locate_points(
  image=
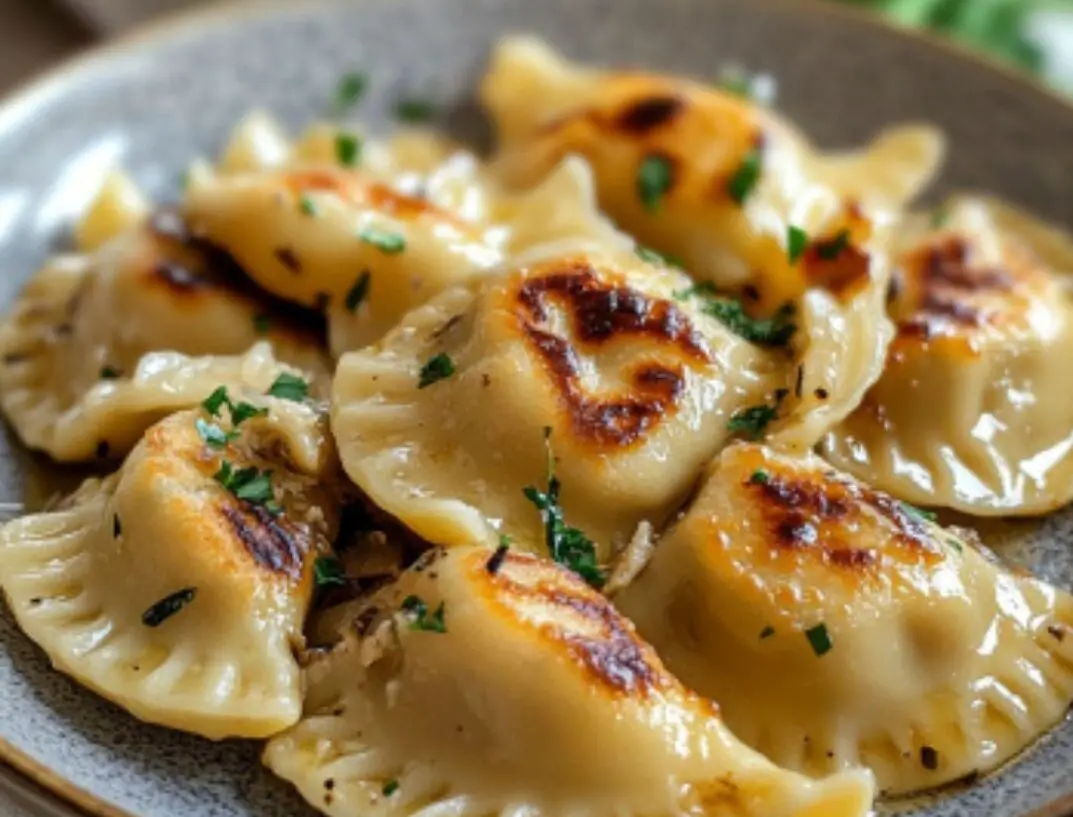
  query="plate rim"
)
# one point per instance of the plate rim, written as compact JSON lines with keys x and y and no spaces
{"x":22,"y":97}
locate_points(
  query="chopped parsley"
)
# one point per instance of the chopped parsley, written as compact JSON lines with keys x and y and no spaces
{"x":774,"y":331}
{"x":752,"y":421}
{"x":743,"y":181}
{"x":387,"y":243}
{"x":767,"y":632}
{"x":168,"y":606}
{"x":831,"y":248}
{"x":249,"y":484}
{"x":307,"y":206}
{"x":109,"y":372}
{"x":919,"y":513}
{"x":939,"y":217}
{"x":358,"y":292}
{"x":328,"y":572}
{"x":212,"y":434}
{"x":819,"y":639}
{"x":433,"y":623}
{"x":760,"y":477}
{"x":734,"y":80}
{"x":347,"y":148}
{"x":351,"y":88}
{"x":240,"y":412}
{"x":702,"y":288}
{"x":261,"y":323}
{"x":655,"y":175}
{"x":412,"y":109}
{"x":390,"y":787}
{"x":796,"y":243}
{"x":438,"y":367}
{"x":289,"y":387}
{"x":651,"y":256}
{"x":568,"y":546}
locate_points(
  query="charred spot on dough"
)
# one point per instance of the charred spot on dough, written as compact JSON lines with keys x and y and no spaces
{"x":820,"y":512}
{"x":289,"y":259}
{"x":599,"y":313}
{"x":606,"y":646}
{"x":274,"y":545}
{"x":844,"y":275}
{"x":364,"y":192}
{"x":648,"y":113}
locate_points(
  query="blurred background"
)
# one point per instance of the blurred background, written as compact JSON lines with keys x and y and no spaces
{"x":1036,"y":35}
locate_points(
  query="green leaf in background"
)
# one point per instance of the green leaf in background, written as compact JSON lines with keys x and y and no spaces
{"x":995,"y":26}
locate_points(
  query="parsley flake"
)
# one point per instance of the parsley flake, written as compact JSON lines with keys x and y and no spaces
{"x":242,"y":412}
{"x":774,"y":331}
{"x":655,"y":176}
{"x":387,"y":243}
{"x":249,"y":484}
{"x":390,"y":787}
{"x":919,"y":513}
{"x":351,"y":88}
{"x":760,"y":477}
{"x":438,"y":367}
{"x":830,"y":249}
{"x":347,"y":148}
{"x":212,"y":434}
{"x":216,"y":400}
{"x":495,"y":561}
{"x":568,"y":546}
{"x":261,"y":323}
{"x":307,"y":206}
{"x":752,"y":421}
{"x":289,"y":387}
{"x":328,"y":572}
{"x":109,"y":372}
{"x":357,"y":293}
{"x":796,"y":243}
{"x":743,"y":181}
{"x":651,"y":256}
{"x":168,"y":606}
{"x":819,"y":639}
{"x":415,"y":110}
{"x":433,"y":623}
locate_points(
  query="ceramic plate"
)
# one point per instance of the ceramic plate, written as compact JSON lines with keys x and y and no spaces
{"x":155,"y":101}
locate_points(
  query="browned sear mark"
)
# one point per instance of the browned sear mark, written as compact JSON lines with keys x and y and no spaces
{"x":289,"y":259}
{"x":601,"y":312}
{"x":648,"y":113}
{"x":271,"y":544}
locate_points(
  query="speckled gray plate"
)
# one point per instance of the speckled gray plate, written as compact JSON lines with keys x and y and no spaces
{"x":153,"y":102}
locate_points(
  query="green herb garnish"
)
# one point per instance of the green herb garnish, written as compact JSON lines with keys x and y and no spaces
{"x":433,"y":623}
{"x":655,"y":175}
{"x":351,"y":88}
{"x":495,"y":561}
{"x":261,"y":323}
{"x":387,"y":243}
{"x":216,"y":400}
{"x":752,"y":421}
{"x":249,"y":484}
{"x":241,"y":412}
{"x":348,"y":148}
{"x":289,"y":387}
{"x":651,"y":256}
{"x":212,"y":434}
{"x":568,"y":546}
{"x":830,"y":249}
{"x":819,"y":639}
{"x":390,"y":787}
{"x":415,"y":110}
{"x":743,"y":181}
{"x":774,"y":331}
{"x":760,"y":477}
{"x":168,"y":606}
{"x":358,"y":292}
{"x":796,"y":243}
{"x":328,"y":572}
{"x":437,"y":368}
{"x":919,"y":513}
{"x":307,"y":206}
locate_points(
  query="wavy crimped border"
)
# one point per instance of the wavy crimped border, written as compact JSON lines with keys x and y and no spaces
{"x":24,"y":98}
